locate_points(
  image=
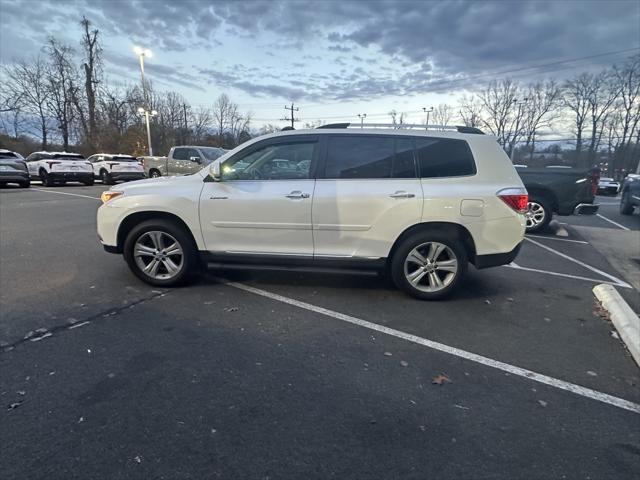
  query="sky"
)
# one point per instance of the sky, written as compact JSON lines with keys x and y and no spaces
{"x":334,"y":59}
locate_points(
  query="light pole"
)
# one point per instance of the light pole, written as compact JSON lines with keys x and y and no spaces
{"x":146,"y":114}
{"x":427,"y":111}
{"x":142,"y":53}
{"x":362,"y":116}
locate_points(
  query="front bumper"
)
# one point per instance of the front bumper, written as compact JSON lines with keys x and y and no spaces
{"x":497,"y":259}
{"x":11,"y":176}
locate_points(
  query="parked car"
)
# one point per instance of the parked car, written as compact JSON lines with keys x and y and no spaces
{"x":59,"y":167}
{"x":630,"y":193}
{"x":417,"y":203}
{"x":561,"y":191}
{"x":182,"y":160}
{"x":111,"y":168}
{"x":13,"y":169}
{"x":608,"y":186}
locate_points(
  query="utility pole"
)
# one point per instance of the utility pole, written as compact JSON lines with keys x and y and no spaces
{"x":186,"y":125}
{"x":142,"y":53}
{"x":362,"y":117}
{"x":427,"y":111}
{"x":292,"y":109}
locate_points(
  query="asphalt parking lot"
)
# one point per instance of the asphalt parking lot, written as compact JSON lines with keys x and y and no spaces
{"x":290,"y":375}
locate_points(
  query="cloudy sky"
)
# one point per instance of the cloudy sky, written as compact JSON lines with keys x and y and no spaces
{"x":334,"y":58}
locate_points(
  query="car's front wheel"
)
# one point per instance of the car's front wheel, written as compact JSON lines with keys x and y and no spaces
{"x":429,"y":265}
{"x":626,"y":207}
{"x":538,"y":214}
{"x":161,"y":253}
{"x":25,"y":184}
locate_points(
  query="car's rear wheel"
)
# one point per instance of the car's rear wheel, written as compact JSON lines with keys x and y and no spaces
{"x":538,"y":214}
{"x":161,"y":253}
{"x":89,"y":182}
{"x":155,"y":173}
{"x":45,"y":179}
{"x":429,"y":265}
{"x":106,"y":178}
{"x":626,"y":207}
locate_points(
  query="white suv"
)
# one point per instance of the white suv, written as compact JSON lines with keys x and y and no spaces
{"x":59,"y":167}
{"x":418,"y":203}
{"x":111,"y":168}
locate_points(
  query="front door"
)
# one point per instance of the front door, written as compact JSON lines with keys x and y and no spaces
{"x":262,"y":205}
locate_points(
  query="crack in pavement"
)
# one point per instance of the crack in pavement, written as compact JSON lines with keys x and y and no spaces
{"x":42,"y":333}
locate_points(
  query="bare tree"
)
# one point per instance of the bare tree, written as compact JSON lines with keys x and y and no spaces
{"x":442,"y":114}
{"x":504,"y":112}
{"x":626,"y":117}
{"x":540,"y":109}
{"x":92,"y":71}
{"x":201,"y":123}
{"x":61,"y":80}
{"x":603,"y":93}
{"x":222,"y":111}
{"x":397,"y":119}
{"x":576,"y":95}
{"x":27,"y":81}
{"x":470,"y":110}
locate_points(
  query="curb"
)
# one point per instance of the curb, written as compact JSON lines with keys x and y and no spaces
{"x":623,"y":317}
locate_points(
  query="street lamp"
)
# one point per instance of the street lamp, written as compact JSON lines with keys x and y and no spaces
{"x":427,"y":111}
{"x":142,"y":53}
{"x":362,"y":116}
{"x":146,"y":114}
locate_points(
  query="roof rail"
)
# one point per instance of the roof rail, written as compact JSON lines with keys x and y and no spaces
{"x":406,"y":126}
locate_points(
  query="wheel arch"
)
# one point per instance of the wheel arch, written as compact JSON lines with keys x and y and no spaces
{"x":456,"y":230}
{"x":130,"y":221}
{"x":546,"y":193}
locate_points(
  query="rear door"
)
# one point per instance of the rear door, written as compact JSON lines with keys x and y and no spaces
{"x":367,"y":195}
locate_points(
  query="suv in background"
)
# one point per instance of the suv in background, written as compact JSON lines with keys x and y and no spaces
{"x":13,"y":169}
{"x":420,"y":204}
{"x":111,"y":168}
{"x":630,"y":193}
{"x":59,"y":167}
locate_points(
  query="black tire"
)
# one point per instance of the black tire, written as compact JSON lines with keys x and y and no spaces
{"x":153,"y":173}
{"x":106,"y":178}
{"x":191,"y":262}
{"x":25,"y":184}
{"x":45,"y":179}
{"x":545,"y":204}
{"x":89,"y":182}
{"x":397,"y":267}
{"x":626,"y":208}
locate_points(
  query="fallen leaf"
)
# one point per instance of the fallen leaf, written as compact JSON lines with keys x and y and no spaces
{"x":403,"y":363}
{"x":542,"y":402}
{"x":488,"y":302}
{"x":388,"y":354}
{"x":137,"y":459}
{"x":440,"y":379}
{"x":14,"y":405}
{"x":230,"y":309}
{"x":592,"y":373}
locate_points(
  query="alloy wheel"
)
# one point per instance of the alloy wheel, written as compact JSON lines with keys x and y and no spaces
{"x":535,"y":214}
{"x":431,"y":267}
{"x":158,"y":255}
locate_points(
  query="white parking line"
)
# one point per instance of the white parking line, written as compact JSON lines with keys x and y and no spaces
{"x":65,"y":193}
{"x":559,"y":239}
{"x":612,"y":222}
{"x":617,"y":281}
{"x":489,"y":362}
{"x":565,"y":275}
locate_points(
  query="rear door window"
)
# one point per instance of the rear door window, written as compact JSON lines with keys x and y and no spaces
{"x":444,"y":157}
{"x":359,"y":156}
{"x":181,"y":154}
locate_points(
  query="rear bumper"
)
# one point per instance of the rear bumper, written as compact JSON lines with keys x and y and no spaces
{"x":14,"y":176}
{"x":586,"y":209}
{"x":496,"y":259}
{"x":127,"y":176}
{"x":71,"y":176}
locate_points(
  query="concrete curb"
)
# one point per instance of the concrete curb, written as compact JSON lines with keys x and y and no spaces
{"x":623,"y":317}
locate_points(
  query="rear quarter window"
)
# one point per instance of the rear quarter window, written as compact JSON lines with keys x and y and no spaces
{"x":444,"y":157}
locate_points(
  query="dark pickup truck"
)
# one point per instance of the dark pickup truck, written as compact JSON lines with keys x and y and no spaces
{"x":559,"y":190}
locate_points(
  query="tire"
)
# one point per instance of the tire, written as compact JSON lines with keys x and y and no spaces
{"x":154,"y":173}
{"x":89,"y":182}
{"x":539,"y":213}
{"x":45,"y":179}
{"x":626,"y":208}
{"x":106,"y":178}
{"x":405,"y":263}
{"x":25,"y":184}
{"x":142,"y":236}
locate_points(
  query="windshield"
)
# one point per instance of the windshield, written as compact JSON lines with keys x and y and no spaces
{"x":9,"y":155}
{"x":124,"y":159}
{"x":211,"y":153}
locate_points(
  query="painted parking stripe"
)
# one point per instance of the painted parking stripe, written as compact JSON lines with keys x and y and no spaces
{"x":617,"y":281}
{"x":65,"y":193}
{"x":473,"y":357}
{"x":565,"y":275}
{"x":612,"y":222}
{"x":558,"y":239}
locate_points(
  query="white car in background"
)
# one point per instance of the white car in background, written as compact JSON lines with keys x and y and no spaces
{"x":111,"y":168}
{"x":420,"y":204}
{"x":59,"y":167}
{"x":608,"y":186}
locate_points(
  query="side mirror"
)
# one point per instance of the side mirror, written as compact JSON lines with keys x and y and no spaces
{"x":214,"y":171}
{"x":195,"y":159}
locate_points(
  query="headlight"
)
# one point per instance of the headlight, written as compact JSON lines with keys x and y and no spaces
{"x":110,"y":195}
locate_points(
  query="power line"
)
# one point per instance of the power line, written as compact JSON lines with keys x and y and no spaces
{"x":292,"y":109}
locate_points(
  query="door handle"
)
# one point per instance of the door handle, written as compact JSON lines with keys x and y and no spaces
{"x":296,"y":194}
{"x":402,"y":194}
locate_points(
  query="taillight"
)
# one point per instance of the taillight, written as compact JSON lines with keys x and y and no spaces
{"x":516,"y":198}
{"x":53,"y":163}
{"x":111,"y":165}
